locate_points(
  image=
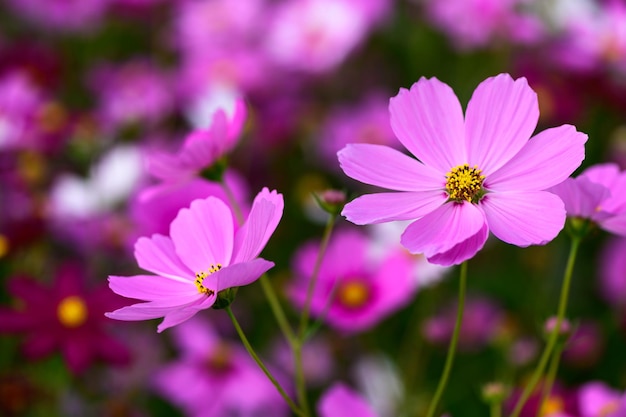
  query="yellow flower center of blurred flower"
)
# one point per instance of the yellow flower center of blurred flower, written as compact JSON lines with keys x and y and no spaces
{"x":353,"y":294}
{"x":200,"y":276}
{"x":72,"y":311}
{"x":464,"y":183}
{"x":4,"y":246}
{"x":551,"y":405}
{"x":608,"y":408}
{"x":220,"y":359}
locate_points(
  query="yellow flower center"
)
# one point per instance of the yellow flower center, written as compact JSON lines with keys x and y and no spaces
{"x":220,"y":360}
{"x":72,"y":311}
{"x":551,"y":405}
{"x":353,"y":294}
{"x":4,"y":245}
{"x":200,"y":276}
{"x":465,"y":183}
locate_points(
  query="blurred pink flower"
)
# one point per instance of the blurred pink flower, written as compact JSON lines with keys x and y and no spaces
{"x":339,"y":401}
{"x":83,"y":15}
{"x":596,"y":399}
{"x":317,"y":35}
{"x":365,"y":122}
{"x":482,"y":319}
{"x":357,"y":290}
{"x":472,"y":176}
{"x":202,"y":148}
{"x":133,"y":93}
{"x":598,"y":195}
{"x":211,"y":365}
{"x":202,"y":256}
{"x":64,"y":317}
{"x":20,"y":100}
{"x":612,"y":277}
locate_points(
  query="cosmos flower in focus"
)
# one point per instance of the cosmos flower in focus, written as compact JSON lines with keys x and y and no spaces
{"x":473,"y":174}
{"x":202,"y":256}
{"x":64,"y":317}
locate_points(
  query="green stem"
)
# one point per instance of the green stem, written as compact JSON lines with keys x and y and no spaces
{"x":277,"y":310}
{"x":550,"y":377}
{"x":496,"y":409}
{"x":453,"y":342}
{"x":256,"y":358}
{"x":545,"y":356}
{"x":300,"y":379}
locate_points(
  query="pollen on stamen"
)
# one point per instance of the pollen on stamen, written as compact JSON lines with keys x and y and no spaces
{"x":464,"y":183}
{"x":200,"y":276}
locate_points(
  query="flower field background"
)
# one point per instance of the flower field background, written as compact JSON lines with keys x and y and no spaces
{"x":118,"y":296}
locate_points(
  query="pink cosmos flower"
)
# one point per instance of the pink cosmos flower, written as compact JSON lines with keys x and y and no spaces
{"x":202,"y":256}
{"x":340,"y":400}
{"x":596,"y":399}
{"x":202,"y":147}
{"x":64,"y":317}
{"x":597,"y":194}
{"x":472,"y":175}
{"x":362,"y":290}
{"x":212,"y":365}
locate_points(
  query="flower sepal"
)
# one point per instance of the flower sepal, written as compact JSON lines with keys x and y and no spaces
{"x":225,"y":298}
{"x":216,"y":171}
{"x":579,"y":227}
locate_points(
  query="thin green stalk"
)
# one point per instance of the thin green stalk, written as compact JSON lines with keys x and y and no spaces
{"x":300,"y":379}
{"x":277,"y":310}
{"x":547,"y":352}
{"x":495,"y":410}
{"x":453,"y":342}
{"x":256,"y":358}
{"x":550,"y":377}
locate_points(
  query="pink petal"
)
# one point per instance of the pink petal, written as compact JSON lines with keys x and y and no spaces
{"x":605,"y":174}
{"x":178,"y":316}
{"x":157,"y":254}
{"x":388,"y":168}
{"x":615,"y":224}
{"x":151,"y":287}
{"x":165,"y":166}
{"x":526,"y":218}
{"x":203,"y":234}
{"x":154,"y":309}
{"x":237,"y":275}
{"x":251,"y":238}
{"x":501,"y":116}
{"x":546,"y":160}
{"x":428,"y":120}
{"x":462,"y":251}
{"x":580,"y":196}
{"x":443,"y":229}
{"x":385,"y":207}
{"x":341,"y":401}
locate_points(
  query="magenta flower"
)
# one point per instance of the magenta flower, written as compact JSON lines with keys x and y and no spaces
{"x":597,"y":194}
{"x":362,"y":290}
{"x":64,"y":317}
{"x":596,"y":399}
{"x":203,"y":147}
{"x":340,"y":400}
{"x":473,"y":175}
{"x":202,"y":256}
{"x":210,"y":364}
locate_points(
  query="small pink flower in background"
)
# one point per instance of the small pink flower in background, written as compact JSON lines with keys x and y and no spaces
{"x":472,"y":175}
{"x":596,"y":399}
{"x":19,"y":102}
{"x":202,"y":148}
{"x":64,"y":317}
{"x":357,"y":290}
{"x":482,"y":319}
{"x":479,"y":23}
{"x":585,"y":346}
{"x":598,"y":195}
{"x":317,"y":360}
{"x":318,"y":35}
{"x":365,"y":122}
{"x":203,"y":255}
{"x":339,"y":401}
{"x":215,"y":377}
{"x":612,"y":278}
{"x":78,"y":16}
{"x":133,"y":93}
